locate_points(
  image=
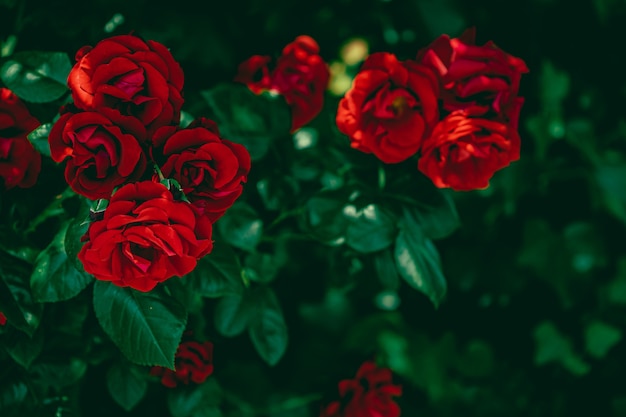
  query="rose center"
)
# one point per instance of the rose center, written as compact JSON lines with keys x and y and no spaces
{"x":399,"y":106}
{"x":140,"y":256}
{"x":130,"y":83}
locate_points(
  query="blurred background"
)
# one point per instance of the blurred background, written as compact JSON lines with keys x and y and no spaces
{"x":534,"y":320}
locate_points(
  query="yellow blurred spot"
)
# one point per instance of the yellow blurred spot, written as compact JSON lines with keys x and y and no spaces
{"x":340,"y":82}
{"x":354,"y":51}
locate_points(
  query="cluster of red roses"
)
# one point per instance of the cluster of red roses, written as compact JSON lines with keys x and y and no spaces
{"x":20,"y":163}
{"x":300,"y":75}
{"x":456,"y":105}
{"x":119,"y":138}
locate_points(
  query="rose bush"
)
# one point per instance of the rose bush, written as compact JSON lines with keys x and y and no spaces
{"x":145,"y":237}
{"x":294,"y":245}
{"x":136,"y":77}
{"x":19,"y":162}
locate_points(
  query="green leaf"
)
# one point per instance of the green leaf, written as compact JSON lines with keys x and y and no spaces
{"x":438,"y":220}
{"x":600,"y":338}
{"x":612,"y":180}
{"x":217,"y":274}
{"x":22,"y":348}
{"x":418,"y":261}
{"x":185,"y":119}
{"x":232,"y":315}
{"x":200,"y":401}
{"x":147,"y":327}
{"x":126,"y":387}
{"x":251,"y":120}
{"x":60,"y":373}
{"x":369,"y":229}
{"x":323,"y":216}
{"x":386,"y":270}
{"x":261,"y":267}
{"x":16,"y":299}
{"x":55,"y":278}
{"x":241,"y":227}
{"x":38,"y":77}
{"x":552,"y":346}
{"x":39,"y":138}
{"x":77,"y":228}
{"x":277,"y":191}
{"x":14,"y":398}
{"x":268,"y":329}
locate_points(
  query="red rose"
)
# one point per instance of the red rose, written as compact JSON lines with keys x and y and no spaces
{"x":369,"y":394}
{"x":300,"y":76}
{"x":474,"y":78}
{"x":20,"y":163}
{"x":145,"y":237}
{"x":102,"y":150}
{"x":390,"y":108}
{"x":3,"y":319}
{"x":464,"y":152}
{"x":137,"y":77}
{"x":210,"y":170}
{"x":193,"y":362}
{"x":254,"y":72}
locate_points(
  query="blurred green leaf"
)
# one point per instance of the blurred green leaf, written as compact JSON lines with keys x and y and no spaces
{"x":59,"y":373}
{"x":147,"y":327}
{"x":198,"y":401}
{"x":38,"y":77}
{"x":439,"y":219}
{"x":261,"y":267}
{"x":616,"y":289}
{"x":13,"y":398}
{"x":369,"y":228}
{"x":22,"y":348}
{"x":16,"y":299}
{"x":612,"y":180}
{"x":476,"y":360}
{"x":232,"y":314}
{"x":126,"y":387}
{"x":277,"y":191}
{"x":552,"y":346}
{"x":251,"y":120}
{"x":39,"y":139}
{"x":55,"y":278}
{"x":418,"y":261}
{"x":268,"y":329}
{"x":323,"y":216}
{"x":600,"y":338}
{"x":386,"y":270}
{"x":554,"y":86}
{"x":241,"y":226}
